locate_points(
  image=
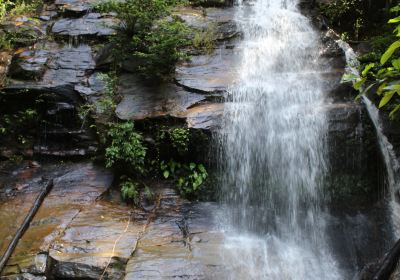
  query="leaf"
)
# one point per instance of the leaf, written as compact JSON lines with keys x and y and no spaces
{"x":380,"y":89}
{"x":392,"y":114}
{"x":350,"y":77}
{"x":386,"y":98}
{"x":192,"y":166}
{"x":166,"y":174}
{"x":394,"y":86}
{"x":359,"y":83}
{"x":396,"y":63}
{"x":389,"y":52}
{"x":201,"y":168}
{"x":394,"y":20}
{"x":364,"y":91}
{"x":395,"y":9}
{"x":367,"y":68}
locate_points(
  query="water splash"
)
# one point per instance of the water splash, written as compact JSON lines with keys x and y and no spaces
{"x":273,"y":158}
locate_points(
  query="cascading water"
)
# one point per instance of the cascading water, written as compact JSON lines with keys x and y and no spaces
{"x":273,"y":157}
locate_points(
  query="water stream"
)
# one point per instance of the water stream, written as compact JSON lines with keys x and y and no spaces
{"x":274,"y":150}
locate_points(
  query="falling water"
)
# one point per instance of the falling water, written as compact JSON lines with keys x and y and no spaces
{"x":273,"y":144}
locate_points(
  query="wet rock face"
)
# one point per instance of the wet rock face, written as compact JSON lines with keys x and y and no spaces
{"x":356,"y":168}
{"x":76,"y":186}
{"x":78,"y":235}
{"x":141,"y":101}
{"x":29,"y":64}
{"x":24,"y":31}
{"x":90,"y":25}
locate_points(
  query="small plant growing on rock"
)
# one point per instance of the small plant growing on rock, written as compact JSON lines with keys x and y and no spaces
{"x":205,"y":39}
{"x":187,"y":177}
{"x":180,"y":139}
{"x":129,"y":190}
{"x":126,"y":147}
{"x":149,"y":33}
{"x":383,"y":75}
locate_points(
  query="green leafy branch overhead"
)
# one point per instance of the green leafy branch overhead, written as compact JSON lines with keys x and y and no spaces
{"x":383,"y":76}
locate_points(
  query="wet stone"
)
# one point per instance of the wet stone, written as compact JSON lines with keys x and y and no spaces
{"x":208,"y":74}
{"x":74,"y":7}
{"x":26,"y":31}
{"x":66,"y":67}
{"x":29,"y":64}
{"x":167,"y":250}
{"x":141,"y":101}
{"x":221,"y":19}
{"x":91,"y":25}
{"x":76,"y":186}
{"x":205,"y":116}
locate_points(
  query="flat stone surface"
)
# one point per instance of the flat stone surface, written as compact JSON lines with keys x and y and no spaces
{"x":177,"y":245}
{"x":209,"y":74}
{"x":203,"y":18}
{"x":76,"y":7}
{"x":140,"y":101}
{"x":93,"y":24}
{"x":66,"y":67}
{"x":101,"y":237}
{"x":76,"y":186}
{"x":29,"y":64}
{"x":204,"y":116}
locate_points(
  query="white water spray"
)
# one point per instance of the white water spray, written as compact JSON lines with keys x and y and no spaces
{"x":274,"y":159}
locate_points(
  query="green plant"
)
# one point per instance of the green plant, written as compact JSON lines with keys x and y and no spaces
{"x":205,"y":39}
{"x":180,"y":139}
{"x":382,"y":76}
{"x":148,"y":194}
{"x":160,"y":48}
{"x":129,"y":190}
{"x":106,"y":103}
{"x":187,"y":177}
{"x":149,"y":33}
{"x":126,"y":147}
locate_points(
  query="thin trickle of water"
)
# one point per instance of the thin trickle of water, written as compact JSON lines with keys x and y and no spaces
{"x":273,"y":150}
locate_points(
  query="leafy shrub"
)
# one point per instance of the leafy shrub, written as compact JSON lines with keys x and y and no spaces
{"x":150,"y":34}
{"x":357,"y":17}
{"x":160,"y":49}
{"x":106,"y":103}
{"x":205,"y":39}
{"x":188,"y":177}
{"x":126,"y":147}
{"x":129,"y":190}
{"x":180,"y":139}
{"x":380,"y":75}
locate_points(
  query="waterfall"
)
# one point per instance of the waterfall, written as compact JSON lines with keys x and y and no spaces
{"x":273,"y":144}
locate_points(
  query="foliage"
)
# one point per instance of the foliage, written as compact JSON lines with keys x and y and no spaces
{"x":160,"y":48}
{"x":188,"y":177}
{"x":356,"y":17}
{"x":150,"y":34}
{"x":5,"y":5}
{"x":105,"y":105}
{"x":180,"y":139}
{"x":205,"y":39}
{"x":383,"y":75}
{"x":129,"y":190}
{"x":148,"y":194}
{"x":126,"y":147}
{"x":20,"y":125}
{"x":210,"y":3}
